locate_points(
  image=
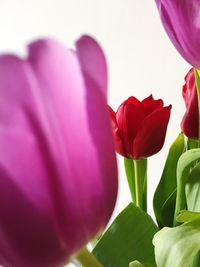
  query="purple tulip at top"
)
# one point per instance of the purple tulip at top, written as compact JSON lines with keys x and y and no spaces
{"x":181,"y":20}
{"x":58,"y":177}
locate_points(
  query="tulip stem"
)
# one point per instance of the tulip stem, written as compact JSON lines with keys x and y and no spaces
{"x":197,"y":81}
{"x":130,"y":174}
{"x":136,"y":173}
{"x":138,"y":185}
{"x":87,"y":259}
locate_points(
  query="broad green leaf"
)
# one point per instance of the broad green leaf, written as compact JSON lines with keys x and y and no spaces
{"x":185,"y":163}
{"x":178,"y":246}
{"x":165,"y":194}
{"x":168,"y":209}
{"x":136,"y":264}
{"x":187,"y":216}
{"x":193,"y":189}
{"x":129,"y":238}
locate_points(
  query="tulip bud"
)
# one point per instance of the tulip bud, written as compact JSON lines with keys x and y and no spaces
{"x":190,"y":121}
{"x":139,"y":128}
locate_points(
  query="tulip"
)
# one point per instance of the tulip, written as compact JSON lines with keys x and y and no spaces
{"x":57,"y":163}
{"x":140,"y":127}
{"x":181,"y":20}
{"x":190,"y":121}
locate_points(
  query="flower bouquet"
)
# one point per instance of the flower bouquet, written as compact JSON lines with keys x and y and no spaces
{"x":58,"y":169}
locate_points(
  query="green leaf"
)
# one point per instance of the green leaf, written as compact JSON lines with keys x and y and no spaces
{"x":187,"y":216}
{"x":192,"y":189}
{"x":178,"y":246}
{"x":129,"y":238}
{"x":192,"y":143}
{"x":136,"y":264}
{"x":185,"y":163}
{"x":165,"y":194}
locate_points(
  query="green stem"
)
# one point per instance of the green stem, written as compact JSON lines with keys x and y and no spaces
{"x":180,"y":199}
{"x":129,"y":168}
{"x":138,"y":185}
{"x":197,"y":81}
{"x":87,"y":259}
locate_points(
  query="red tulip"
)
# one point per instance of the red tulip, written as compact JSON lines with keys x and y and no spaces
{"x":140,"y":127}
{"x":57,"y":185}
{"x":190,"y":122}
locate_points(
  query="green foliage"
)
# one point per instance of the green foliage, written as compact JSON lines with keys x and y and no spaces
{"x":178,"y":246}
{"x":129,"y":238}
{"x":136,"y":264}
{"x":193,"y":189}
{"x":187,"y":216}
{"x":131,"y":177}
{"x":165,"y":194}
{"x":185,"y":167}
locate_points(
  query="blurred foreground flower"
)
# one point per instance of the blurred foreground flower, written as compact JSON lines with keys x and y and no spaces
{"x":58,"y":183}
{"x":140,"y":127}
{"x":190,"y":122}
{"x":181,"y":20}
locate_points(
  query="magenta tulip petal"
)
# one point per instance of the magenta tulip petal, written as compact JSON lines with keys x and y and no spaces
{"x":92,"y":61}
{"x":54,"y":129}
{"x":181,"y":22}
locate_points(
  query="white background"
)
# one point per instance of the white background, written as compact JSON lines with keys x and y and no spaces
{"x":141,"y":59}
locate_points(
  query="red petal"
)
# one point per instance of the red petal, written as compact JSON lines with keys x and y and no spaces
{"x":133,"y":100}
{"x":190,"y":121}
{"x":119,"y":147}
{"x":188,"y":87}
{"x":149,"y":105}
{"x":147,"y":100}
{"x":129,"y":117}
{"x":150,"y":138}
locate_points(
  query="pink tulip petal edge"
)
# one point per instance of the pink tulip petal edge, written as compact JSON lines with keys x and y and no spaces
{"x":58,"y":174}
{"x":181,"y":20}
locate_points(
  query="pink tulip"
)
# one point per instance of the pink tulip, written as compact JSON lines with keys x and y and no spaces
{"x":180,"y":19}
{"x":58,"y":177}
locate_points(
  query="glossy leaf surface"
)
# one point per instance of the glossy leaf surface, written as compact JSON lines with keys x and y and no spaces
{"x":129,"y":238}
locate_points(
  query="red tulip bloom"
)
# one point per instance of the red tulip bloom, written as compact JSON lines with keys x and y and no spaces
{"x":190,"y":122}
{"x":140,"y":127}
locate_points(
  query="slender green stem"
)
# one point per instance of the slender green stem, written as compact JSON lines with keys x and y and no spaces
{"x":197,"y":81}
{"x":138,"y":185}
{"x":130,"y":174}
{"x":136,"y":173}
{"x":180,"y":199}
{"x":87,"y":259}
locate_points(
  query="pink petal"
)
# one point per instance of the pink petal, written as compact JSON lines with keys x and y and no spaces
{"x":93,"y":62}
{"x":56,"y":131}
